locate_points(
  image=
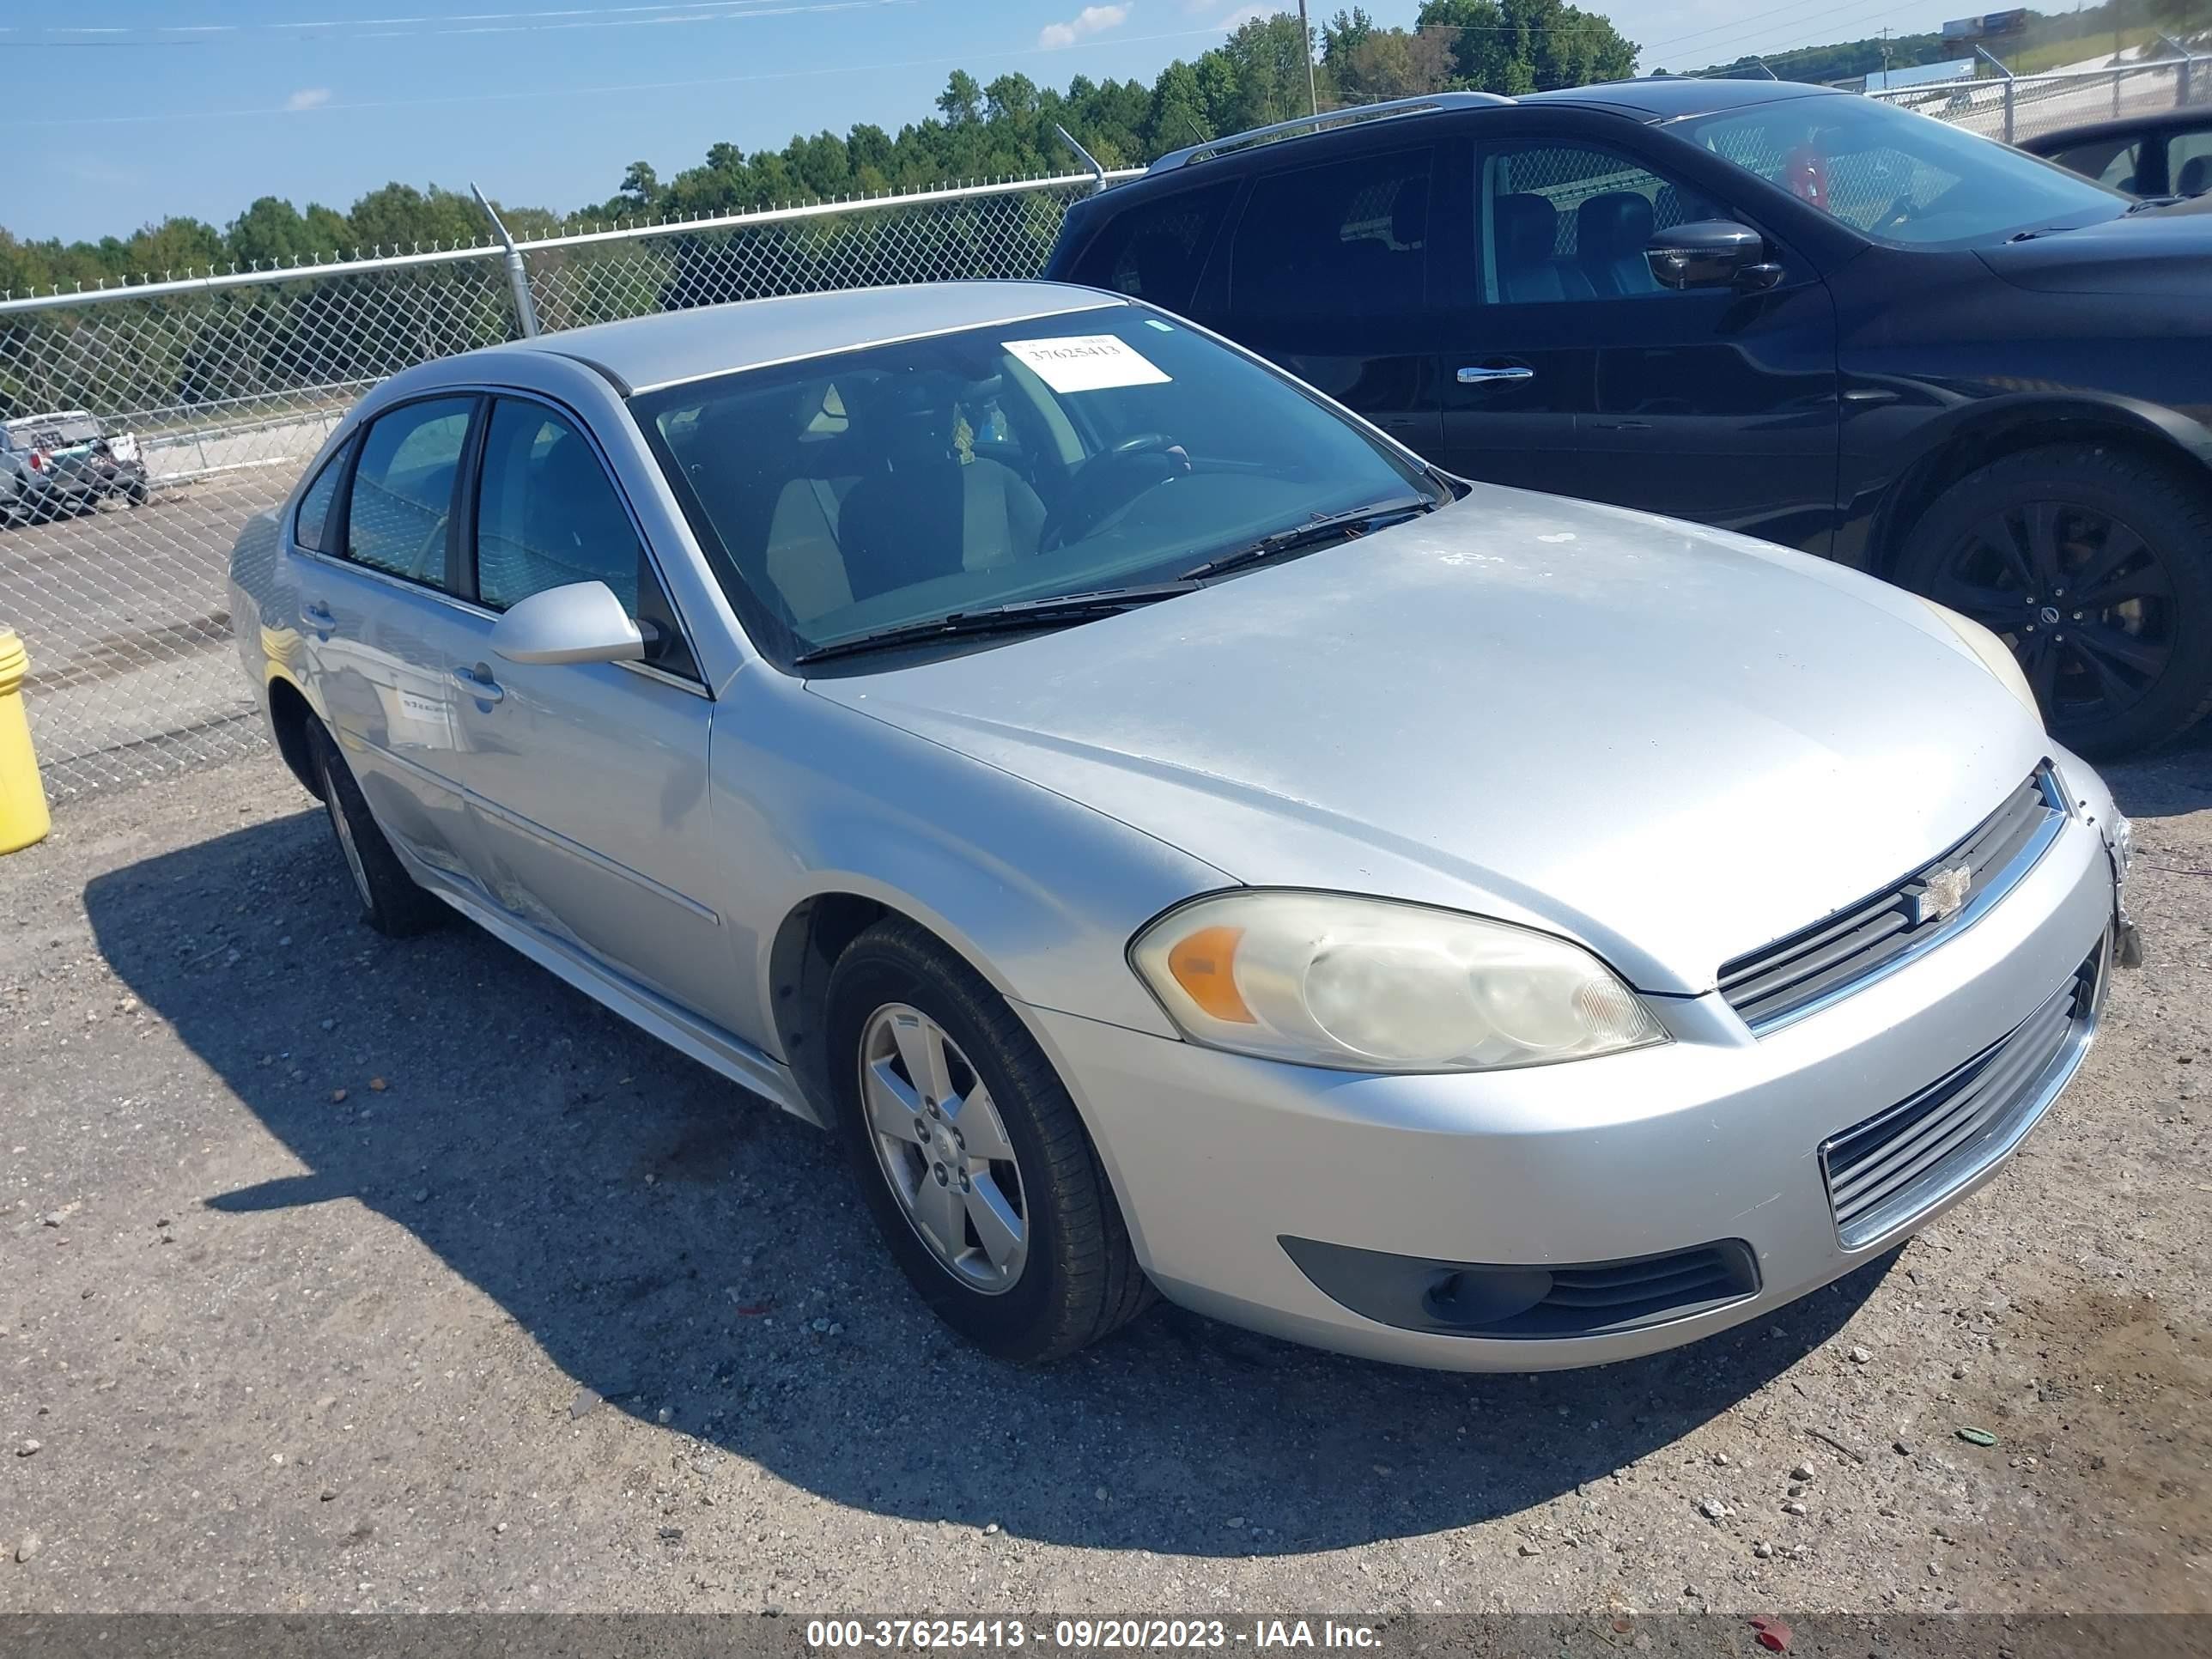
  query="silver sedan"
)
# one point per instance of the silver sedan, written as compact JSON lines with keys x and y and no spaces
{"x":1178,"y":840}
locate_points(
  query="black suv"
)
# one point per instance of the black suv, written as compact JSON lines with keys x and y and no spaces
{"x":1799,"y":313}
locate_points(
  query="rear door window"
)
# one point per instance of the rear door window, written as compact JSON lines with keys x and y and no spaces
{"x":399,"y":516}
{"x":1349,"y":238}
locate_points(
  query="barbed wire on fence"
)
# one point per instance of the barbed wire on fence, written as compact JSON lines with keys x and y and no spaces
{"x":225,"y":385}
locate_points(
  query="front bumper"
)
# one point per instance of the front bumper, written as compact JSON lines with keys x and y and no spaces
{"x":1713,"y":1137}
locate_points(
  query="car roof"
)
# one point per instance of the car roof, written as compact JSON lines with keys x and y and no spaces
{"x":1670,"y":97}
{"x":668,"y":347}
{"x":1652,"y":98}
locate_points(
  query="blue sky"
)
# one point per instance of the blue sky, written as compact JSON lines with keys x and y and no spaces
{"x":122,"y":113}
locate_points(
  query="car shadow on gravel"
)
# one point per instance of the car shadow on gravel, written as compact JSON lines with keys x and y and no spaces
{"x":673,"y":1244}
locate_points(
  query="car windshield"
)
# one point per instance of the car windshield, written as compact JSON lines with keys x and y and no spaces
{"x":52,"y":431}
{"x":1900,"y":177}
{"x":846,"y":497}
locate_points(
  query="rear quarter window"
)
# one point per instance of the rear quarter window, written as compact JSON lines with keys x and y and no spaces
{"x":1156,"y":250}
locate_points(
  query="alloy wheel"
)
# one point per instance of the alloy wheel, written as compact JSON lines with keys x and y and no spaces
{"x":943,"y":1148}
{"x":2086,"y":603}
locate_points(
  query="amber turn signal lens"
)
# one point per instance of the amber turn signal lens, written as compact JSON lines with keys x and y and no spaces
{"x":1205,"y":964}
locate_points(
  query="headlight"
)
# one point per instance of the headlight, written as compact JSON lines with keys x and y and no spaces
{"x":1368,"y":985}
{"x":1995,"y":654}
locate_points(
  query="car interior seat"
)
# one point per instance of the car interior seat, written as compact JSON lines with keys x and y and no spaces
{"x":922,"y":510}
{"x":1527,"y":234}
{"x":1610,"y":232}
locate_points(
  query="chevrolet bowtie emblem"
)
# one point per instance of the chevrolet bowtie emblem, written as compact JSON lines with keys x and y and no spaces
{"x":1944,"y":895}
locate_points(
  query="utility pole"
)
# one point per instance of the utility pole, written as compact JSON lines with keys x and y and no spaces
{"x":1884,"y":54}
{"x":1305,"y":45}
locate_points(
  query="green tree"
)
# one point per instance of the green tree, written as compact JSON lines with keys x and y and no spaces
{"x":270,"y":233}
{"x":640,"y":187}
{"x":961,"y":102}
{"x":1177,"y":115}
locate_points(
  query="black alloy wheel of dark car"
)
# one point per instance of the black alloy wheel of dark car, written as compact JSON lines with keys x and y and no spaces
{"x":2095,"y":566}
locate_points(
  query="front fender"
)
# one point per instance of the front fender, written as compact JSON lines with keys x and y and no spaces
{"x":1041,"y":894}
{"x":1897,"y":473}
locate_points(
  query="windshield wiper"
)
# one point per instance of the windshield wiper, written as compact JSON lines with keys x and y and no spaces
{"x":1051,"y":611}
{"x":1325,"y":527}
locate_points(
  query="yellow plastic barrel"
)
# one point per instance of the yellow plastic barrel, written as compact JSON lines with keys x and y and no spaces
{"x":23,"y":817}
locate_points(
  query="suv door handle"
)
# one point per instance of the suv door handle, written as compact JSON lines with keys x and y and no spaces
{"x":318,"y":616}
{"x":478,"y":684}
{"x":1513,"y":372}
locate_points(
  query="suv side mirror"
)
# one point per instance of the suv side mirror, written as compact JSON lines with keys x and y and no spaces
{"x":1710,"y":253}
{"x":583,"y":622}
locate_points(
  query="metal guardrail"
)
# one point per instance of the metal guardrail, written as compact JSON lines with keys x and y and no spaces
{"x":231,"y":380}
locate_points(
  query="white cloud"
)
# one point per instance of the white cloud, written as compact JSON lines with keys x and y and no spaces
{"x":308,"y":98}
{"x":1091,"y":20}
{"x":1243,"y":15}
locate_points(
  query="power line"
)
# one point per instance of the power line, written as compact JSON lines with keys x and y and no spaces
{"x":1758,"y":40}
{"x":386,"y":28}
{"x":520,"y":94}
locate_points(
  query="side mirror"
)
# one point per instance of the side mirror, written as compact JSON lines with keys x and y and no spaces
{"x":1710,"y":253}
{"x":583,"y":622}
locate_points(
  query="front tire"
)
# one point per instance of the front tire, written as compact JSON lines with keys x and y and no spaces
{"x":971,"y":1155}
{"x":391,"y":902}
{"x":2095,"y":565}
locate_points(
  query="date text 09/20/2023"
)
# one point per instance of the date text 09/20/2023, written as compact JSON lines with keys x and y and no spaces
{"x":1082,"y":1635}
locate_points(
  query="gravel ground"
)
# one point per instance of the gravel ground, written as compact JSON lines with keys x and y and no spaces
{"x":342,"y":1274}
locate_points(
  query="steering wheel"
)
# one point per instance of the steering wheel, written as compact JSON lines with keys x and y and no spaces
{"x":1902,"y":211}
{"x":1137,"y":443}
{"x":1107,"y":485}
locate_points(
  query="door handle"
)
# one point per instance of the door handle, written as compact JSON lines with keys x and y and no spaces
{"x":318,"y":616}
{"x":478,"y":684}
{"x":1478,"y":376}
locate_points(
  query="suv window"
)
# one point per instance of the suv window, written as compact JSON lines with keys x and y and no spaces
{"x":1156,"y":251}
{"x":1567,"y":222}
{"x":400,"y":514}
{"x":548,"y":515}
{"x":1347,"y":238}
{"x":311,"y":528}
{"x":1898,"y":177}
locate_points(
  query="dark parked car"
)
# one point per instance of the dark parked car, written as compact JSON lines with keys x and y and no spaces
{"x":1794,"y":313}
{"x":2166,"y":154}
{"x":52,"y":465}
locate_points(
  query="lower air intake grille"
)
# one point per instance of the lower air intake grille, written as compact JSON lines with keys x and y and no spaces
{"x":1889,"y":1169}
{"x":1571,"y":1299}
{"x":1863,"y":940}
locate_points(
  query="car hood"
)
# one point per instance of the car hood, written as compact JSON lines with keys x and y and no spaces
{"x":1672,"y":743}
{"x":2159,"y":251}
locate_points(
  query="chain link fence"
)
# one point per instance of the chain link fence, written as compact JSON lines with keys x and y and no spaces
{"x":205,"y":397}
{"x":2015,"y":108}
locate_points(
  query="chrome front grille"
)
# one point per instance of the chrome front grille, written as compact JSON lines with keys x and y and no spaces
{"x":1786,"y":980}
{"x":1883,"y":1172}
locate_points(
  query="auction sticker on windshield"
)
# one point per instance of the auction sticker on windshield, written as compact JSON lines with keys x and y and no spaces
{"x":1085,"y":362}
